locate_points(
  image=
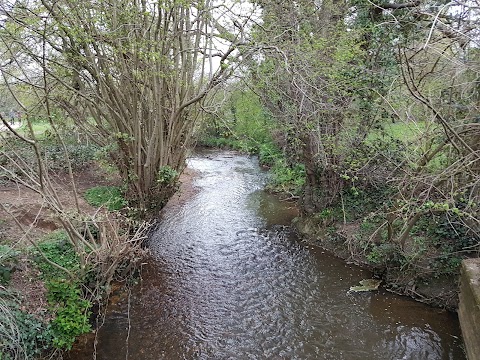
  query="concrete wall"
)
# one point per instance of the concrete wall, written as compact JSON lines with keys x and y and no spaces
{"x":469,"y":307}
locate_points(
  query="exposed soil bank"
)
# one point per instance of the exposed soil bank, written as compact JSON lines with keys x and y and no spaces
{"x":24,"y":207}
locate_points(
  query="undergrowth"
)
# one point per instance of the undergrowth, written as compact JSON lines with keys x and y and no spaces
{"x":22,"y":335}
{"x":67,"y":302}
{"x":109,"y":196}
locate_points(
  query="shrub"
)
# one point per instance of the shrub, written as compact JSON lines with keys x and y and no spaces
{"x":80,"y":155}
{"x":72,"y":312}
{"x":21,"y":335}
{"x":166,"y":175}
{"x":286,"y":178}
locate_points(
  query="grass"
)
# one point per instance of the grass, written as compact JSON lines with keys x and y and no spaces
{"x":109,"y":196}
{"x":40,"y":129}
{"x":405,"y":132}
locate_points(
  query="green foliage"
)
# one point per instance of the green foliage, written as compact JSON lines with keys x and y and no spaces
{"x":72,"y":312}
{"x":286,"y":178}
{"x":358,"y":203}
{"x":59,"y":250}
{"x":242,"y":145}
{"x":109,"y":196}
{"x":382,"y":254}
{"x":8,"y":259}
{"x":250,"y":120}
{"x":166,"y":175}
{"x":407,"y":133}
{"x":447,"y":231}
{"x":22,"y":335}
{"x":79,"y":155}
{"x":248,"y":127}
{"x":447,"y":264}
{"x":52,"y":152}
{"x":41,"y":128}
{"x":269,"y":153}
{"x":103,"y":157}
{"x":244,"y":124}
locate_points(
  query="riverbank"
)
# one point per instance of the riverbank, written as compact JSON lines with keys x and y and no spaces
{"x":51,"y":287}
{"x":23,"y":210}
{"x":339,"y":239}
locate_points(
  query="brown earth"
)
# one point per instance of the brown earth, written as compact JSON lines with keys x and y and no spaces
{"x":23,"y":211}
{"x":185,"y":191}
{"x":25,"y":207}
{"x":25,"y":218}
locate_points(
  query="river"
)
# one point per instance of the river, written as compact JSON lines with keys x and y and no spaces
{"x":231,"y":280}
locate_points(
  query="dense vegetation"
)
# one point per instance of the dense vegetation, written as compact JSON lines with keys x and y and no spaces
{"x":377,"y":104}
{"x":365,"y":112}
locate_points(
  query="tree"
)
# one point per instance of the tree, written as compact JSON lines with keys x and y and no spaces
{"x":305,"y":79}
{"x":129,"y":73}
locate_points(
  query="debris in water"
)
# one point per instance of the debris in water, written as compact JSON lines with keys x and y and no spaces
{"x":366,"y":285}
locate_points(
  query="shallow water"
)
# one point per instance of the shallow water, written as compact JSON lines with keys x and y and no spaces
{"x":232,"y":281}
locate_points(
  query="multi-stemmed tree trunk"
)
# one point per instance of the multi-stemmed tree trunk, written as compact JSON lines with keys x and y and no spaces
{"x":129,"y":73}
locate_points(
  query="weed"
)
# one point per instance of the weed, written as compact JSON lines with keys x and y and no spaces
{"x":268,"y":153}
{"x":21,"y":335}
{"x":380,"y":254}
{"x":64,"y":295}
{"x":166,"y":175}
{"x":8,"y":259}
{"x":79,"y":155}
{"x":72,"y":312}
{"x":109,"y":196}
{"x":446,"y":264}
{"x":286,"y":178}
{"x":59,"y":250}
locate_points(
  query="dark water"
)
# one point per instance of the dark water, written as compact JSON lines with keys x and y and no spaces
{"x":232,"y":281}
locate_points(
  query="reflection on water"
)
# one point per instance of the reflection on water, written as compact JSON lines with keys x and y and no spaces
{"x":232,"y":281}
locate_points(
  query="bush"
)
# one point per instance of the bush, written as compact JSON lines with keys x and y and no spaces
{"x":286,"y":178}
{"x":166,"y":175}
{"x":72,"y":312}
{"x":80,"y":155}
{"x":109,"y":196}
{"x":268,"y":153}
{"x":21,"y":335}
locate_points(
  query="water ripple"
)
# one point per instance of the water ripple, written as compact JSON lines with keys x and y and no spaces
{"x":232,"y":282}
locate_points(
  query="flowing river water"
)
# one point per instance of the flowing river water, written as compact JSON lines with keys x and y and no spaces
{"x":232,"y":281}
